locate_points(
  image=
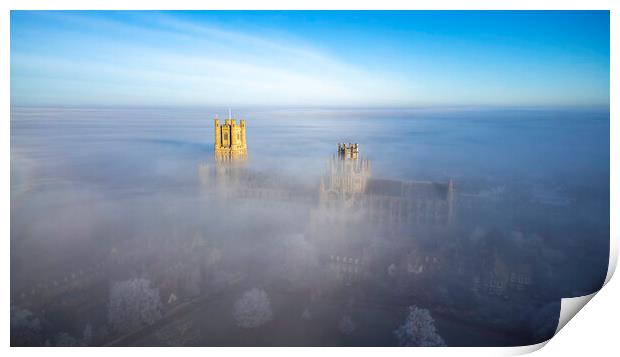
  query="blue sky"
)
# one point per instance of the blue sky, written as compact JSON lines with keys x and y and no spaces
{"x":348,"y":58}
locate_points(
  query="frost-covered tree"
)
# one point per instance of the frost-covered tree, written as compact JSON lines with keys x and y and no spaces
{"x":133,"y":304}
{"x":346,"y":326}
{"x":25,"y":328}
{"x":253,"y":309}
{"x":418,"y":330}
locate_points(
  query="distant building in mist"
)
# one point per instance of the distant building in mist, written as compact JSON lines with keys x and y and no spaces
{"x":348,"y":195}
{"x":348,"y":151}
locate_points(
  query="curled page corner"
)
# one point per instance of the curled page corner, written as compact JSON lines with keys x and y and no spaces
{"x":523,"y":350}
{"x":570,"y":307}
{"x":613,"y":257}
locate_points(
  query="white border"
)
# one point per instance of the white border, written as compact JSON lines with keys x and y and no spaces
{"x":602,"y":325}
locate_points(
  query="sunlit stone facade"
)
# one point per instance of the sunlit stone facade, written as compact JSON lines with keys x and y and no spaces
{"x":230,"y":137}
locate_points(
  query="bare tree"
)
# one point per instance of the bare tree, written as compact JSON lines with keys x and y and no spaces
{"x":253,"y":309}
{"x":418,"y":330}
{"x":133,"y":304}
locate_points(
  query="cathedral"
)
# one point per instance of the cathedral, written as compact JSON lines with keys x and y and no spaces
{"x":347,"y":194}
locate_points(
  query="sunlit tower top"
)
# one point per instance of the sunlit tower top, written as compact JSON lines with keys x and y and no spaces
{"x":230,"y":137}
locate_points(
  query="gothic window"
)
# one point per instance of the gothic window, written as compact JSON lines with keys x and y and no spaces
{"x":225,"y":136}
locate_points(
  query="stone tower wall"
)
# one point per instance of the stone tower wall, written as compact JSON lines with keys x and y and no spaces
{"x":230,"y":137}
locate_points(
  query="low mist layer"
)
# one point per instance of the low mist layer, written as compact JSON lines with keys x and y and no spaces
{"x":451,"y":227}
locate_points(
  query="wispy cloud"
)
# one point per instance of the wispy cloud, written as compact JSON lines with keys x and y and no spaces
{"x":186,"y":62}
{"x":305,"y":58}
